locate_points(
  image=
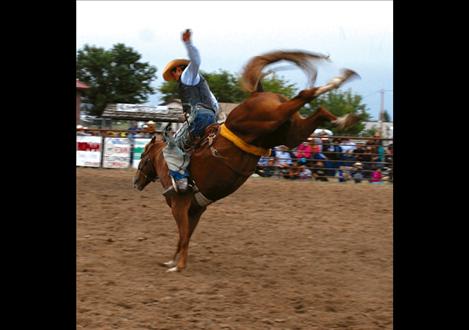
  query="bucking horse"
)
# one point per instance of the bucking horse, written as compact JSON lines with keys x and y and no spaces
{"x":227,"y":154}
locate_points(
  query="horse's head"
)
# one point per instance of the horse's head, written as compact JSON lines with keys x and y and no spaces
{"x":146,"y":171}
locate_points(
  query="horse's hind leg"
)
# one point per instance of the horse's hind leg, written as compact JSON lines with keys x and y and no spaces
{"x":300,"y":128}
{"x":290,"y":107}
{"x":195,"y":212}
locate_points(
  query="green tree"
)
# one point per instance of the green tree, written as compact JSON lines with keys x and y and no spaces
{"x":369,"y":132}
{"x":386,"y":117}
{"x":341,"y":103}
{"x":114,"y":76}
{"x":279,"y":85}
{"x":224,"y":85}
{"x":169,"y":89}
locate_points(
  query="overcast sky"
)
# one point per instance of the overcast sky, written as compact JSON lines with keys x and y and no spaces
{"x":356,"y":34}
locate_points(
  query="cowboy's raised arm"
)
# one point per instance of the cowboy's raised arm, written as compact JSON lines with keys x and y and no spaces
{"x":190,"y":76}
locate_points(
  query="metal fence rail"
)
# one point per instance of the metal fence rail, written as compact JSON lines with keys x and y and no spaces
{"x":344,"y":163}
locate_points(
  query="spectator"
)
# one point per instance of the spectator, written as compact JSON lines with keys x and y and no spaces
{"x":283,"y":158}
{"x":366,"y":159}
{"x":146,"y":131}
{"x":376,"y":176}
{"x":81,"y":131}
{"x":357,"y":174}
{"x":358,"y":152}
{"x":132,"y":130}
{"x":378,"y":153}
{"x":390,"y":150}
{"x":348,"y":146}
{"x":266,"y":166}
{"x":316,"y":143}
{"x":263,"y":161}
{"x":389,"y":161}
{"x":319,"y":156}
{"x":151,"y":127}
{"x":332,"y":152}
{"x":305,"y":173}
{"x":347,"y":151}
{"x":341,"y":175}
{"x":293,"y":171}
{"x":387,"y":174}
{"x":318,"y":172}
{"x":303,"y":153}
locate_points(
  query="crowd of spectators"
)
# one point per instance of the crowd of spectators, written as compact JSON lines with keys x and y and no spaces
{"x":325,"y":158}
{"x":320,"y":158}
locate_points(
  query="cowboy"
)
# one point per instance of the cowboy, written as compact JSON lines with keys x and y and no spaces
{"x":200,"y":105}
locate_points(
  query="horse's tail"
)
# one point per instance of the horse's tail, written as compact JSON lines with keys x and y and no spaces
{"x":252,"y":74}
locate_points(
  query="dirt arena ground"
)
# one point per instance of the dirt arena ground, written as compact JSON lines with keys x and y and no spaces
{"x":276,"y":254}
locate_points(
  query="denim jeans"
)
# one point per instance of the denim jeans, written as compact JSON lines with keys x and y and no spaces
{"x":201,"y":119}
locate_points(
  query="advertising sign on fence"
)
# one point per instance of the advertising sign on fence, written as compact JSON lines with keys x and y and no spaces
{"x":139,"y":145}
{"x":89,"y":151}
{"x":116,"y":153}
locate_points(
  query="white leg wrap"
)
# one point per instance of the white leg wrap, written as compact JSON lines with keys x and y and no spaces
{"x":171,"y":270}
{"x":170,"y":263}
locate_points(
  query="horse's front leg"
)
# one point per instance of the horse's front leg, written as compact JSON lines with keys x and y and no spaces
{"x":173,"y":261}
{"x":180,"y":208}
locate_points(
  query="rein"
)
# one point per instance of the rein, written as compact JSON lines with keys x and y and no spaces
{"x":154,"y":177}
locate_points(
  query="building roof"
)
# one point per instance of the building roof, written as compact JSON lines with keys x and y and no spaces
{"x":170,"y":112}
{"x":144,"y":113}
{"x":81,"y":85}
{"x":226,"y":108}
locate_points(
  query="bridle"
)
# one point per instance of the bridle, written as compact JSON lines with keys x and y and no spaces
{"x":144,"y":162}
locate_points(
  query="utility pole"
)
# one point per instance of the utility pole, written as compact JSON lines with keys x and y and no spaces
{"x":381,"y":114}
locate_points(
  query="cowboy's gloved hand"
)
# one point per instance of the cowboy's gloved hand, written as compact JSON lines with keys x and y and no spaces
{"x":186,"y":36}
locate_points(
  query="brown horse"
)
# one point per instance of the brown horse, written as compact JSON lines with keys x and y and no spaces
{"x":228,"y":154}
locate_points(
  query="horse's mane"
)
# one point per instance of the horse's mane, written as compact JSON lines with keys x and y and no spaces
{"x":252,"y":73}
{"x":148,"y":146}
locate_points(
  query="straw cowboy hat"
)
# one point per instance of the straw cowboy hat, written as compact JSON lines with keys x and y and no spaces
{"x":171,"y":65}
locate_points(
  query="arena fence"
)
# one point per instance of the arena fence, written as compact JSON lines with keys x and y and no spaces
{"x":104,"y":148}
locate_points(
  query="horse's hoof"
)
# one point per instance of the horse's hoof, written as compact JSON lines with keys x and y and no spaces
{"x":350,"y":75}
{"x":171,"y":270}
{"x":346,"y":121}
{"x":170,"y":263}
